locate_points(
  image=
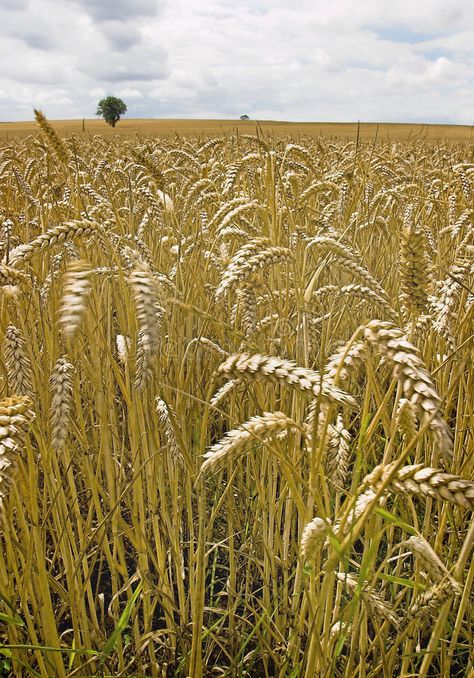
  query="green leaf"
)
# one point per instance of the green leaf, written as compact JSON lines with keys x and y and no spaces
{"x":11,"y":620}
{"x":395,"y":520}
{"x":121,"y":624}
{"x":408,"y":583}
{"x":364,"y":425}
{"x":72,"y":656}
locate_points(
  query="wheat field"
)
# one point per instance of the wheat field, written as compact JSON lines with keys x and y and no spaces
{"x":237,"y":406}
{"x":208,"y":128}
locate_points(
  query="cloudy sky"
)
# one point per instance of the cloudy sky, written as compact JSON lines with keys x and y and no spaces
{"x":409,"y":60}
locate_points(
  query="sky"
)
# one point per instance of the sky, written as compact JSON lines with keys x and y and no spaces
{"x":300,"y":60}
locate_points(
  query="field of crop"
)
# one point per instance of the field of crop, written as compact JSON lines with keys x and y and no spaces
{"x":237,"y":411}
{"x":212,"y":128}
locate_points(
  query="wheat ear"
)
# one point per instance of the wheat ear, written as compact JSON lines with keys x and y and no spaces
{"x":17,"y":362}
{"x":414,"y":270}
{"x":417,"y":383}
{"x":62,"y":401}
{"x":53,"y":139}
{"x":421,"y":480}
{"x":62,"y":233}
{"x":163,"y":411}
{"x":427,"y":604}
{"x":10,"y":276}
{"x":241,"y":268}
{"x":406,"y":418}
{"x":280,"y":371}
{"x":313,"y":534}
{"x":77,"y":285}
{"x":149,"y":311}
{"x":15,"y":417}
{"x":338,"y":452}
{"x":429,"y":559}
{"x":257,"y":429}
{"x":374,"y":601}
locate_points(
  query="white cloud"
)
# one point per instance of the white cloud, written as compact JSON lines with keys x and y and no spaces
{"x":309,"y":60}
{"x":97,"y":92}
{"x":129,"y":93}
{"x":121,"y":35}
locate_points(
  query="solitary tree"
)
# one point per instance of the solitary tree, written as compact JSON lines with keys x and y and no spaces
{"x":244,"y":117}
{"x":111,"y":108}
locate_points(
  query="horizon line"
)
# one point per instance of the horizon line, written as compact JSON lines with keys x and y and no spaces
{"x":251,"y":120}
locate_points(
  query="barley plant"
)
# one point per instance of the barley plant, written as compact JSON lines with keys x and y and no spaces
{"x":237,"y":407}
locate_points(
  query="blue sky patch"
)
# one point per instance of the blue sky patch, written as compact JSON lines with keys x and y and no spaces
{"x":402,"y":34}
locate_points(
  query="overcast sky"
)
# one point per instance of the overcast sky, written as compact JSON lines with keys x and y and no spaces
{"x":327,"y":60}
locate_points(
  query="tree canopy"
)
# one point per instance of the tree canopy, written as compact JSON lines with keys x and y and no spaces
{"x":111,"y":108}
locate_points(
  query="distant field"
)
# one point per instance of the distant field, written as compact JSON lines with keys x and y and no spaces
{"x":206,"y":128}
